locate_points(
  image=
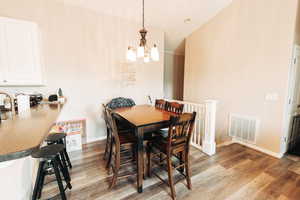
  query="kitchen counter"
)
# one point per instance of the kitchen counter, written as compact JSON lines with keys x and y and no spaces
{"x":23,"y":133}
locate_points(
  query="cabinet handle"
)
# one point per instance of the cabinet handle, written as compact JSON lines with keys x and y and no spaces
{"x":5,"y":81}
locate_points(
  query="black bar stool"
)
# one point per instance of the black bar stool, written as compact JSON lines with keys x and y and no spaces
{"x":50,"y":154}
{"x":60,"y":138}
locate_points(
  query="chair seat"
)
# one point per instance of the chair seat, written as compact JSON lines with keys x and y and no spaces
{"x":163,"y":132}
{"x":48,"y":151}
{"x":54,"y":137}
{"x":127,"y":137}
{"x":161,"y":143}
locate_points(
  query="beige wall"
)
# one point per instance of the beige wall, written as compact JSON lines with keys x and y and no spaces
{"x":297,"y":35}
{"x":173,"y":75}
{"x":84,"y":54}
{"x":237,"y":58}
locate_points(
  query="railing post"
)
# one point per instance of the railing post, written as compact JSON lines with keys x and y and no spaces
{"x":209,"y":137}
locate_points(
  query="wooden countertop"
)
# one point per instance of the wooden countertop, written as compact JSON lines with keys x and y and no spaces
{"x":22,"y":134}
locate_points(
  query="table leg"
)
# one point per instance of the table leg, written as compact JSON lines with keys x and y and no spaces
{"x":140,"y":158}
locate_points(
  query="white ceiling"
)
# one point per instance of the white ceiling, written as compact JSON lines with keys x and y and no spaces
{"x":167,"y":15}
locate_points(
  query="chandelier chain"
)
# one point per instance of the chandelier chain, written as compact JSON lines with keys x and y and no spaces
{"x":143,"y":13}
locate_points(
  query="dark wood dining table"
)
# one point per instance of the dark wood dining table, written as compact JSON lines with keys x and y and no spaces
{"x":144,"y":119}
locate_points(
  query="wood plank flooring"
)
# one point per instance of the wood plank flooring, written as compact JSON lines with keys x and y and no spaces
{"x":234,"y":173}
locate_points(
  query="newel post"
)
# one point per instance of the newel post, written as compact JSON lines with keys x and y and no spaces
{"x":209,"y":137}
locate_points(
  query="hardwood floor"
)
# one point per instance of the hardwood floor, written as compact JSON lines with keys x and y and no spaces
{"x":234,"y":173}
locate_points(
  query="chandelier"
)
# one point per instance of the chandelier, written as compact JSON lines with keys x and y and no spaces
{"x":143,"y":51}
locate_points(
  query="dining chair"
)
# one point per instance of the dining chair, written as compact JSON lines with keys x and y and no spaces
{"x":123,"y":150}
{"x":108,"y":135}
{"x":120,"y":102}
{"x":174,"y":107}
{"x":160,"y":104}
{"x":121,"y":129}
{"x":175,"y":147}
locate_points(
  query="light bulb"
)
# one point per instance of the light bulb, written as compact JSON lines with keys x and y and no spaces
{"x":140,"y":51}
{"x":154,"y":53}
{"x":131,"y":56}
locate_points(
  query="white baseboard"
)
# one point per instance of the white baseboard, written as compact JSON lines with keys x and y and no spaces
{"x":225,"y":143}
{"x":196,"y":146}
{"x":252,"y":146}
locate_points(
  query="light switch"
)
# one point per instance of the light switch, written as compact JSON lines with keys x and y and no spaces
{"x":272,"y":97}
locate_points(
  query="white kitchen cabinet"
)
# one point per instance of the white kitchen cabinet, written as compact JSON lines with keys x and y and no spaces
{"x":20,"y":56}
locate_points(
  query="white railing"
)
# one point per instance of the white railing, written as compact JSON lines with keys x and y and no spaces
{"x":203,"y":137}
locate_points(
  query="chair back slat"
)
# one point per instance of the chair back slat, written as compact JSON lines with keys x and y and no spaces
{"x":105,"y":114}
{"x":160,"y":104}
{"x":112,"y":127}
{"x":174,"y":107}
{"x":181,"y":129}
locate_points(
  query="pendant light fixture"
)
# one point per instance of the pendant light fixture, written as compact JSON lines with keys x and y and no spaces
{"x":143,"y":51}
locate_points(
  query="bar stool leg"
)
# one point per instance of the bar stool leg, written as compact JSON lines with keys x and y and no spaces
{"x":37,"y":186}
{"x":41,"y":184}
{"x":67,"y":158}
{"x":64,"y":142}
{"x":63,"y":159}
{"x":58,"y":179}
{"x":65,"y":172}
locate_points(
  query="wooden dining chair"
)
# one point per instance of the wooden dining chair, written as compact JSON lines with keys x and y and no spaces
{"x":108,"y":134}
{"x":176,"y":149}
{"x":160,"y":104}
{"x":174,"y":107}
{"x":121,"y":127}
{"x":123,"y":150}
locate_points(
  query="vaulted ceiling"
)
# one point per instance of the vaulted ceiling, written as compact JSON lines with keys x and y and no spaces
{"x":168,"y":15}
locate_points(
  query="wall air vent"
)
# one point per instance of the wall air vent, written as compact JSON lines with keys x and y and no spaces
{"x":243,"y":128}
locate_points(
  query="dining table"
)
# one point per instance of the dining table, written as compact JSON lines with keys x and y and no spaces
{"x":144,"y":119}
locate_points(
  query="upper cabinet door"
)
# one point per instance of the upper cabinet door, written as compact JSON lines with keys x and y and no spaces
{"x":22,"y":60}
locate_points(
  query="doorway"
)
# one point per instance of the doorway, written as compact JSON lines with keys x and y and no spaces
{"x":293,"y":103}
{"x":173,"y":75}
